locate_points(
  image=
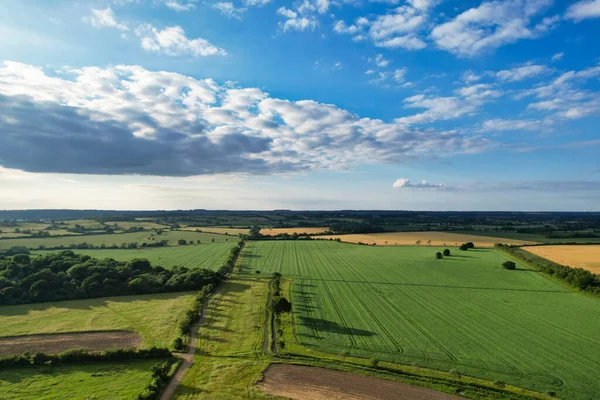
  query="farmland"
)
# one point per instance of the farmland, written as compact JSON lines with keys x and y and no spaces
{"x":291,"y":231}
{"x":586,"y":257}
{"x":208,"y":255}
{"x":411,"y":238}
{"x":123,"y":380}
{"x":462,"y":313}
{"x":218,"y":229}
{"x":154,"y":317}
{"x":114,"y":239}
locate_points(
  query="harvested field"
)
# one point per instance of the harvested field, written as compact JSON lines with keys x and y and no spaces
{"x":299,"y":382}
{"x":57,"y":343}
{"x":290,"y":231}
{"x":577,"y":256}
{"x":411,"y":238}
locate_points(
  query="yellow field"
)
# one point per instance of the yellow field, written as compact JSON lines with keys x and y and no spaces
{"x":587,"y":257}
{"x":290,"y":231}
{"x":217,"y":229}
{"x":411,"y":238}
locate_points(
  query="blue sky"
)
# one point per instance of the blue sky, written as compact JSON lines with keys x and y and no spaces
{"x":315,"y":104}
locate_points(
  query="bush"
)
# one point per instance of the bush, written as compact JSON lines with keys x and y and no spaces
{"x":464,"y":247}
{"x":446,"y":252}
{"x":373,"y":362}
{"x":509,"y":265}
{"x":438,"y":255}
{"x":281,"y":305}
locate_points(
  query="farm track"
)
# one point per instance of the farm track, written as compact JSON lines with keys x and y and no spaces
{"x":300,"y":382}
{"x":59,"y":342}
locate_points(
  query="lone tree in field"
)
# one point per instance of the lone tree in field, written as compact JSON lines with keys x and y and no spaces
{"x":438,"y":255}
{"x":470,"y":245}
{"x":446,"y":252}
{"x":509,"y":265}
{"x":464,"y":247}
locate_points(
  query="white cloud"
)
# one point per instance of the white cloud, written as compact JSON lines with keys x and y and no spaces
{"x":177,"y":6}
{"x":105,"y":18}
{"x":516,"y":125}
{"x":399,"y":29}
{"x":369,"y":72}
{"x":400,"y":75}
{"x":470,"y":76}
{"x":558,"y":56}
{"x":342,"y":28}
{"x":491,"y":25}
{"x":173,"y":42}
{"x":161,"y":123}
{"x":337,"y":65}
{"x":286,"y":12}
{"x":295,"y":21}
{"x":584,"y":10}
{"x":521,"y":73}
{"x":403,"y":183}
{"x":229,"y":10}
{"x":380,"y":61}
{"x":256,"y":3}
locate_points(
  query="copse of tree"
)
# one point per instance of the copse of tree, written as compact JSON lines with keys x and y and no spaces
{"x":68,"y":276}
{"x":182,"y":242}
{"x":438,"y":255}
{"x":509,"y":265}
{"x":446,"y":252}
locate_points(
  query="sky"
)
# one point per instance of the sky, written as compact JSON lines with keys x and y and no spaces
{"x":305,"y":105}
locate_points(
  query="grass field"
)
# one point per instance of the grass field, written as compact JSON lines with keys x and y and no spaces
{"x":155,"y":317}
{"x":118,"y":239}
{"x":464,"y":312}
{"x":290,"y":231}
{"x":115,"y":380}
{"x":587,"y":257}
{"x":209,"y":255}
{"x":410,"y":239}
{"x":129,"y":224}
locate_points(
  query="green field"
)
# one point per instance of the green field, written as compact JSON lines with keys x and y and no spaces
{"x":155,"y":317}
{"x":209,"y":255}
{"x":116,"y":239}
{"x":111,"y":380}
{"x":463,"y":312}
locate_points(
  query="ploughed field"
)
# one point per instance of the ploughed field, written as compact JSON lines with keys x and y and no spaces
{"x":208,"y":255}
{"x":587,"y":257}
{"x":115,"y":239}
{"x":411,"y":238}
{"x":464,"y":312}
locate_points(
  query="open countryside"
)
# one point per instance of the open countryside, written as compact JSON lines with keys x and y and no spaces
{"x":464,"y":312}
{"x":586,"y":257}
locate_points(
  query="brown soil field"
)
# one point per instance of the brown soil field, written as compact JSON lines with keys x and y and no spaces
{"x":217,"y":230}
{"x":410,"y":239}
{"x":311,"y":383}
{"x":587,"y":257}
{"x":290,"y":231}
{"x":57,"y":343}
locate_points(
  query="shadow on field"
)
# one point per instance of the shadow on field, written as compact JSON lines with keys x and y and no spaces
{"x":188,"y":390}
{"x":323,"y":325}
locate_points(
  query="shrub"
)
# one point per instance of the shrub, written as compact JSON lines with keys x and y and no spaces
{"x":509,"y":265}
{"x":446,"y":252}
{"x":464,"y":247}
{"x":373,"y":362}
{"x":438,"y":255}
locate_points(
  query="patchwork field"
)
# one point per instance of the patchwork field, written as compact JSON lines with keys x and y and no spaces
{"x":115,"y":239}
{"x":464,"y":312}
{"x":411,"y":238}
{"x":587,"y":257}
{"x":290,"y":231}
{"x":115,"y":380}
{"x":218,"y":229}
{"x":209,"y":255}
{"x":154,"y":317}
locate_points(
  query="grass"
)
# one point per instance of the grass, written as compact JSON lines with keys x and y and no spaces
{"x":114,"y":380}
{"x":209,"y":255}
{"x":464,"y":312}
{"x":587,"y":257}
{"x":155,"y":317}
{"x":228,"y":362}
{"x":411,"y":238}
{"x":114,"y":239}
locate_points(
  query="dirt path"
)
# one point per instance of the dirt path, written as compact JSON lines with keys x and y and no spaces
{"x":300,"y":382}
{"x":59,"y":342}
{"x":188,"y":358}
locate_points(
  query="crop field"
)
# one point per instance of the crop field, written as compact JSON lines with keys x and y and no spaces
{"x":464,"y":312}
{"x":115,"y":239}
{"x":218,"y":229}
{"x":209,"y":255}
{"x":530,"y":237}
{"x":114,"y":380}
{"x":154,"y":317}
{"x":290,"y":231}
{"x":129,"y":224}
{"x":411,"y":238}
{"x":587,"y":257}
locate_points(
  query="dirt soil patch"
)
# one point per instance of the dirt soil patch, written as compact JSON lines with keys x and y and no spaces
{"x":299,"y":382}
{"x":57,"y":343}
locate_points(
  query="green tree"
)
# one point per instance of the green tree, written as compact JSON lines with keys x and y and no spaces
{"x":509,"y":265}
{"x":438,"y":255}
{"x":446,"y":252}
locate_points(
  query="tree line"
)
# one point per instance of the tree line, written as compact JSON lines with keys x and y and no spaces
{"x":68,"y":276}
